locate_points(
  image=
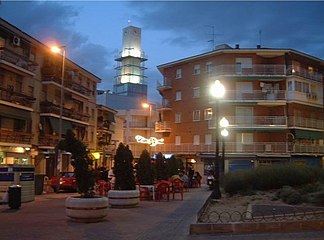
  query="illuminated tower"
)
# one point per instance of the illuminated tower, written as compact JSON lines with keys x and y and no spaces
{"x":130,"y":79}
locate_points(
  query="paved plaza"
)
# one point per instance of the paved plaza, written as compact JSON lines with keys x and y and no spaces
{"x":45,"y":218}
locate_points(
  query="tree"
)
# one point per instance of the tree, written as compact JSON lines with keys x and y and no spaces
{"x":123,"y":169}
{"x":161,"y":167}
{"x":145,"y":172}
{"x":174,"y":165}
{"x":81,"y":162}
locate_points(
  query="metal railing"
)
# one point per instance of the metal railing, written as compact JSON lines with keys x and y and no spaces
{"x":306,"y":122}
{"x":15,"y":137}
{"x":252,"y":121}
{"x":17,"y":60}
{"x":9,"y":95}
{"x":274,"y":215}
{"x":253,"y":70}
{"x":163,"y":126}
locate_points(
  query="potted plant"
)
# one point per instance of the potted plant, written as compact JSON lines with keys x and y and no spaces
{"x":124,"y":193}
{"x":87,"y":207}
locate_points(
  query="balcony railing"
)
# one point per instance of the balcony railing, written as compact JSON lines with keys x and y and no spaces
{"x":48,"y":107}
{"x":17,"y":60}
{"x":254,"y":70}
{"x":306,"y":122}
{"x":15,"y":137}
{"x":254,"y":96}
{"x":166,"y":84}
{"x":9,"y":95}
{"x":166,"y":105}
{"x":261,"y":148}
{"x":48,"y":140}
{"x":67,"y":84}
{"x":142,"y":124}
{"x":252,"y":121}
{"x":161,"y":127}
{"x":305,"y":73}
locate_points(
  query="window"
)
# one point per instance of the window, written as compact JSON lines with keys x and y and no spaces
{"x":196,"y":69}
{"x":179,"y":73}
{"x":196,"y":92}
{"x":208,"y":113}
{"x":209,"y":67}
{"x":196,"y":140}
{"x":196,"y":115}
{"x":244,"y":62}
{"x":208,"y":139}
{"x":178,"y":117}
{"x":247,"y":138}
{"x":178,"y":95}
{"x":177,"y":140}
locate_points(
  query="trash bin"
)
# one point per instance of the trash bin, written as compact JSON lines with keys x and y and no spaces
{"x":14,"y":196}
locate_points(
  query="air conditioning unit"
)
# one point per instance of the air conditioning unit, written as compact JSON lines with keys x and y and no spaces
{"x":16,"y":41}
{"x":261,"y":84}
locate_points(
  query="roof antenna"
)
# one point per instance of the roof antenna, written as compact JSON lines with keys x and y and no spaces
{"x":213,"y":36}
{"x":129,"y":22}
{"x":260,"y":32}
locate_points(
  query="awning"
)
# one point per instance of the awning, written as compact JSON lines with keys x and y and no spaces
{"x":55,"y":123}
{"x":16,"y":113}
{"x":309,"y":134}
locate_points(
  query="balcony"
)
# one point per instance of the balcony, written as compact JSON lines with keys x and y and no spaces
{"x":166,"y":84}
{"x":163,"y":127}
{"x":10,"y":59}
{"x":256,"y":148}
{"x":15,"y":137}
{"x":256,"y":70}
{"x":48,"y":140}
{"x":276,"y":96}
{"x":166,"y":105}
{"x":10,"y":95}
{"x":139,"y":124}
{"x":305,"y":73}
{"x":253,"y":122}
{"x":49,"y":74}
{"x":51,"y":108}
{"x":298,"y":122}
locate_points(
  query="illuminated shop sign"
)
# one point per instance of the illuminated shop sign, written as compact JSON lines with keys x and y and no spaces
{"x":152,"y":141}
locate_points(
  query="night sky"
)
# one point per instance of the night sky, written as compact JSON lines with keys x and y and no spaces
{"x":92,"y":30}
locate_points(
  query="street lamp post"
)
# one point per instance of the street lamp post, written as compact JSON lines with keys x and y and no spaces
{"x":149,"y":106}
{"x":218,"y":91}
{"x":61,"y":49}
{"x":223,"y":124}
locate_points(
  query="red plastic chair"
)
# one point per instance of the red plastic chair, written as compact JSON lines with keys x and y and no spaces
{"x":162,"y":190}
{"x":177,"y":187}
{"x":145,"y":193}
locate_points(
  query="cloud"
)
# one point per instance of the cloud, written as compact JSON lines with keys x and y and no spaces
{"x":297,"y":25}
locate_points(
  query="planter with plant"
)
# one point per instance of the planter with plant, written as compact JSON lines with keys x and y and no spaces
{"x":124,"y":193}
{"x":87,"y":207}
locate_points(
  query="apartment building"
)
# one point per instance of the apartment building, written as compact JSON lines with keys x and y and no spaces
{"x":273,"y":102}
{"x":43,"y":94}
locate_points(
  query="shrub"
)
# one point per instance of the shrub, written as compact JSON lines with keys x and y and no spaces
{"x":123,"y":169}
{"x":271,"y":177}
{"x":145,"y":173}
{"x":161,"y":167}
{"x":174,"y":166}
{"x":289,"y":195}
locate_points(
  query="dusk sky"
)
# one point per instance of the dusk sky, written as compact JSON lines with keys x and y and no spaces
{"x":92,"y":30}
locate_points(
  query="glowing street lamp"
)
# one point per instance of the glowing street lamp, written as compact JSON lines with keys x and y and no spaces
{"x":224,"y":134}
{"x":149,"y":106}
{"x":60,"y":49}
{"x":217,"y":90}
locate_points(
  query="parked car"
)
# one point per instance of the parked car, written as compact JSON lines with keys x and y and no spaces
{"x":67,"y":182}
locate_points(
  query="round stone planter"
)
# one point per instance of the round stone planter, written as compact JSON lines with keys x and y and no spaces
{"x":123,"y":198}
{"x":86,"y":209}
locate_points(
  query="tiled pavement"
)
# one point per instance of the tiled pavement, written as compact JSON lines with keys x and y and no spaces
{"x":45,"y":218}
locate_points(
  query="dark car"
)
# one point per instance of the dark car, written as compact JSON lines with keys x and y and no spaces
{"x":67,"y":181}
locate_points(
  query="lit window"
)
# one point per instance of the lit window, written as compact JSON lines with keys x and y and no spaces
{"x":179,"y":73}
{"x":196,"y":115}
{"x":178,"y":117}
{"x":208,"y":113}
{"x":178,"y":95}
